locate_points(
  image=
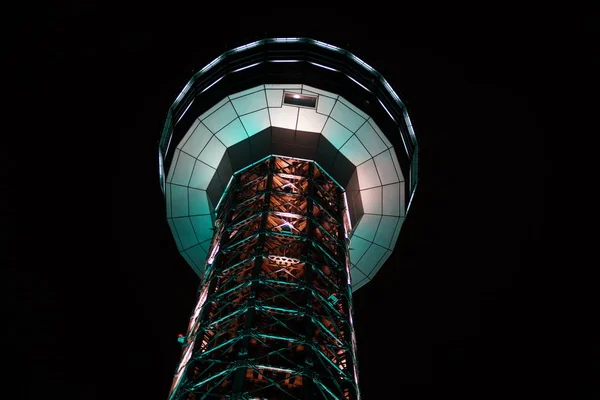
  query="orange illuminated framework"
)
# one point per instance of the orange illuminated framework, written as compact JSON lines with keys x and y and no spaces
{"x":274,"y":314}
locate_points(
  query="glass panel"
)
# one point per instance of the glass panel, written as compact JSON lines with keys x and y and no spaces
{"x":380,"y":263}
{"x":402,"y":200}
{"x":385,"y":232}
{"x":188,"y":133}
{"x":232,"y":133}
{"x":274,"y":97}
{"x":173,"y":164}
{"x":353,"y":108}
{"x":217,"y":120}
{"x":290,"y":86}
{"x":325,"y":105}
{"x":201,"y":176}
{"x":358,"y":247}
{"x":319,"y":91}
{"x":358,"y":278}
{"x":213,"y":108}
{"x":185,"y":232}
{"x":250,"y":103}
{"x":367,"y":227}
{"x":370,"y":139}
{"x":371,"y":200}
{"x":198,"y":201}
{"x":391,"y":201}
{"x":256,"y":122}
{"x":371,"y":258}
{"x":347,"y":117}
{"x":168,"y":199}
{"x":179,"y":201}
{"x":310,"y":121}
{"x":367,"y":175}
{"x":355,"y":151}
{"x":284,"y":117}
{"x":213,"y":152}
{"x":245,"y":92}
{"x":174,"y":233}
{"x":380,"y":133}
{"x":202,"y":227}
{"x":336,"y":133}
{"x":197,"y":140}
{"x":189,"y":260}
{"x":183,"y":169}
{"x":198,"y":256}
{"x":397,"y":165}
{"x":397,"y":232}
{"x":385,"y":168}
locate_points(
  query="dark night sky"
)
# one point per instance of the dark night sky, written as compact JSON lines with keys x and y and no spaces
{"x":466,"y":305}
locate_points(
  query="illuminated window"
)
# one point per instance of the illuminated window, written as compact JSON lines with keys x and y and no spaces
{"x":302,"y":100}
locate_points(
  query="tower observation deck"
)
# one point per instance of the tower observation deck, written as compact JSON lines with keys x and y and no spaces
{"x":288,"y":166}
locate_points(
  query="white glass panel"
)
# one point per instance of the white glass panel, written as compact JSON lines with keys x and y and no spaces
{"x":214,"y":108}
{"x":370,"y":139}
{"x":379,"y":132}
{"x":380,"y":263}
{"x":245,"y":92}
{"x":198,"y":201}
{"x":202,"y":225}
{"x":358,"y":278}
{"x":232,"y":133}
{"x":353,"y":108}
{"x":201,"y":176}
{"x":397,"y":165}
{"x":283,"y":86}
{"x":385,"y":232}
{"x":325,"y":105}
{"x":198,"y":140}
{"x":250,"y":103}
{"x":284,"y":117}
{"x":310,"y":121}
{"x":367,"y":227}
{"x":358,"y":247}
{"x":371,"y":258}
{"x":217,"y":120}
{"x":367,"y":175}
{"x":183,"y":169}
{"x":397,"y":232}
{"x":385,"y":168}
{"x":174,"y":233}
{"x":371,"y":200}
{"x":336,"y":133}
{"x":188,"y":133}
{"x":198,"y":256}
{"x":168,"y":199}
{"x":256,"y":122}
{"x":346,"y":117}
{"x":293,"y":91}
{"x":355,"y":151}
{"x":173,"y":164}
{"x":213,"y":153}
{"x":274,"y":97}
{"x":319,"y":91}
{"x":185,"y":232}
{"x":391,"y":201}
{"x":179,"y":201}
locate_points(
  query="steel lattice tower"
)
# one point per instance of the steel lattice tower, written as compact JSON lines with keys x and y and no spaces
{"x":284,"y":198}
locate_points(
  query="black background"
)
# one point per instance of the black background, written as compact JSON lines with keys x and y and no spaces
{"x":477,"y":299}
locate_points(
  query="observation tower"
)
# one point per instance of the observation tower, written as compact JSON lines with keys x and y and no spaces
{"x":288,"y":166}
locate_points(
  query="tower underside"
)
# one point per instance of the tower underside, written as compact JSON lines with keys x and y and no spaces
{"x":273,"y":319}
